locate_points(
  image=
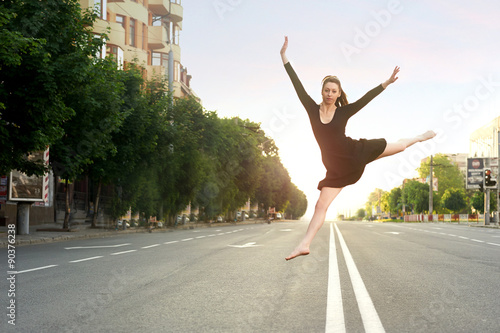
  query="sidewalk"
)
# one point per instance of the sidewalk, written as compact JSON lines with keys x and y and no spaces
{"x":39,"y":234}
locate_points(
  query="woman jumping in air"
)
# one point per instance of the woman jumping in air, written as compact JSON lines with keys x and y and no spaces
{"x":344,"y":158}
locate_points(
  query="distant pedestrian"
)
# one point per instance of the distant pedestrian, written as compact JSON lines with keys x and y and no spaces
{"x":344,"y":158}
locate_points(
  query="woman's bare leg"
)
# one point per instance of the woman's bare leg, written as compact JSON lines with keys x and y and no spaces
{"x":325,"y":199}
{"x":401,"y":145}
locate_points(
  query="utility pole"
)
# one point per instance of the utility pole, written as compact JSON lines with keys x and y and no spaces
{"x":431,"y":207}
{"x":487,"y":207}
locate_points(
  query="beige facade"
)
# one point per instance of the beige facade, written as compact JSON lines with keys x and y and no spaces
{"x":145,"y":32}
{"x":483,"y":142}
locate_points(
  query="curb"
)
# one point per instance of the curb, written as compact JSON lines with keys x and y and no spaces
{"x":33,"y":239}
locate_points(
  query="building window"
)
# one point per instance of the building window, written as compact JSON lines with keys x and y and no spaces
{"x":121,"y":19}
{"x":159,"y":59}
{"x":115,"y":52}
{"x":101,"y":9}
{"x":132,"y":32}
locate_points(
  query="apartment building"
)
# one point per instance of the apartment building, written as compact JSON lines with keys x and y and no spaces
{"x":146,"y":32}
{"x":484,"y":142}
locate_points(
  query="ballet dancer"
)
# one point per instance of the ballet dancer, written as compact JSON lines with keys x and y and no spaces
{"x":344,"y":158}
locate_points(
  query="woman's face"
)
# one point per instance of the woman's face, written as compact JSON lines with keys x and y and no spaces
{"x":330,"y":93}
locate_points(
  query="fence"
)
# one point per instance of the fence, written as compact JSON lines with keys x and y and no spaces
{"x":444,"y":218}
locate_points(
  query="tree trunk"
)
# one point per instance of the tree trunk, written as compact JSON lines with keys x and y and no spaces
{"x":68,"y":208}
{"x":96,"y":204}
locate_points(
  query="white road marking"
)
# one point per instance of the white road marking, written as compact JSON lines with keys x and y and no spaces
{"x":477,"y":240}
{"x":250,"y":244}
{"x":171,"y":242}
{"x":150,"y":246}
{"x":186,"y":239}
{"x":95,"y":247}
{"x":393,"y":232}
{"x":32,"y":270}
{"x":123,"y":252}
{"x":286,"y":230}
{"x":493,"y":244}
{"x":199,"y":237}
{"x":334,"y":309}
{"x":369,"y":315}
{"x":86,"y":259}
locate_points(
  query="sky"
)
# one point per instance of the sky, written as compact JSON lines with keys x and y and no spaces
{"x":448,"y":51}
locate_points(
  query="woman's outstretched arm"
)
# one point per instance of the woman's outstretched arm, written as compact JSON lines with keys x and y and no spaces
{"x":308,"y":103}
{"x":283,"y":51}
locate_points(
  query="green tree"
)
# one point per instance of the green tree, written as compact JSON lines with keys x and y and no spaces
{"x":274,"y":185}
{"x":88,"y":134}
{"x":46,"y":49}
{"x":448,"y":174}
{"x":361,"y":213}
{"x":143,"y":147}
{"x":416,"y":195}
{"x":298,"y":203}
{"x":374,"y":201}
{"x":394,"y":200}
{"x":477,"y":202}
{"x":454,"y":200}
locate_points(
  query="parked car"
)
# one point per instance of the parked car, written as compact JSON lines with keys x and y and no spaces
{"x":278,"y":216}
{"x":159,"y":225}
{"x":220,"y":219}
{"x":120,"y":224}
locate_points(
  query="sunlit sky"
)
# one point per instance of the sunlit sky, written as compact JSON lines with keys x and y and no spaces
{"x":448,"y":51}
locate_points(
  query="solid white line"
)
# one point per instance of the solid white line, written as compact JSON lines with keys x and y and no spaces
{"x":95,"y":247}
{"x":91,"y":258}
{"x":334,"y":308}
{"x":33,"y":269}
{"x":123,"y":252}
{"x":369,"y":315}
{"x":150,"y":246}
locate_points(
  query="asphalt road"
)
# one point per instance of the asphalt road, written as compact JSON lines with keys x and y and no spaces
{"x":360,"y":277}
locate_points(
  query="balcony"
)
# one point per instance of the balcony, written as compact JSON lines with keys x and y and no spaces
{"x":176,"y":12}
{"x":173,"y":9}
{"x":157,"y":37}
{"x":159,"y":7}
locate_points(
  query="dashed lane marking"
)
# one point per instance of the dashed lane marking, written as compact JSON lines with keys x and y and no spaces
{"x":123,"y":252}
{"x":85,"y":259}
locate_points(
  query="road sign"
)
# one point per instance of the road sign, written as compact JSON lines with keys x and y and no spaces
{"x":475,"y":173}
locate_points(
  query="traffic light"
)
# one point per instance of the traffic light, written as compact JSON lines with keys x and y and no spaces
{"x":489,"y":180}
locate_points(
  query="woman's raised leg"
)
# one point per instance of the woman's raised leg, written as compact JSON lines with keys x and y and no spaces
{"x":326,"y":197}
{"x":401,"y":145}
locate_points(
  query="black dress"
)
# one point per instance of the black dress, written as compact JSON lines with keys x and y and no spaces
{"x":344,"y":158}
